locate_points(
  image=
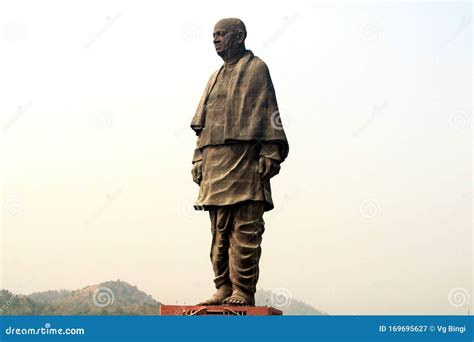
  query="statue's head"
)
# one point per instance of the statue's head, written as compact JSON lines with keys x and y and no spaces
{"x":229,"y":37}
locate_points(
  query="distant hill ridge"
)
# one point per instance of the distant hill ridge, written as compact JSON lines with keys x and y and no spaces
{"x":110,"y":298}
{"x":284,"y":301}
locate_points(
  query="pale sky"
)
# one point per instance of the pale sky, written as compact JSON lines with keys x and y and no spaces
{"x":373,"y":207}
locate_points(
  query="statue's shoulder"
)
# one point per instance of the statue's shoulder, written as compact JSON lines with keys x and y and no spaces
{"x":258,"y":65}
{"x":255,"y":60}
{"x":213,"y":78}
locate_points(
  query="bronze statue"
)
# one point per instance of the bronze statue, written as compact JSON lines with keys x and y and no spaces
{"x":240,"y":146}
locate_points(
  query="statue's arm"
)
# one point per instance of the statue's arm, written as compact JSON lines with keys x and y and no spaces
{"x":196,"y":170}
{"x":269,"y":160}
{"x":197,"y":156}
{"x":271,"y":150}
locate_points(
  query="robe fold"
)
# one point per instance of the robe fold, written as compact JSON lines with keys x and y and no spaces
{"x":237,"y":121}
{"x":250,"y":110}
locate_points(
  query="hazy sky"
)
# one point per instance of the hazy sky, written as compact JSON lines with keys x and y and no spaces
{"x":372,"y":207}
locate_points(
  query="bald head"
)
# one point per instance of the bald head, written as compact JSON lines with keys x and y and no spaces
{"x":231,"y":24}
{"x":229,"y":38}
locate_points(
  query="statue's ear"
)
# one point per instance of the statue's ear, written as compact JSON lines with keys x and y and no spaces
{"x":240,"y":36}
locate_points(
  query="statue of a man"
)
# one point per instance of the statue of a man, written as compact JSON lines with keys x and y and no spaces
{"x":240,"y":146}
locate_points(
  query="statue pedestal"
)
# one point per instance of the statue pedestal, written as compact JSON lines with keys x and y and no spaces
{"x":221,"y":310}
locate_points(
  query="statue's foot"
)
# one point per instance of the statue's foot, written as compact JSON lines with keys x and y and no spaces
{"x":217,"y":298}
{"x":240,"y":298}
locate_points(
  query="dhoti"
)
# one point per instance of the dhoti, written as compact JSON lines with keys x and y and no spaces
{"x":235,"y":250}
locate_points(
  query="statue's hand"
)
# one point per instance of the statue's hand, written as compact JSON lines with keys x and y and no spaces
{"x":197,"y":172}
{"x":268,"y":168}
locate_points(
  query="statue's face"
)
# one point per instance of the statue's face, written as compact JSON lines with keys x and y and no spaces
{"x":227,"y":39}
{"x":224,"y":39}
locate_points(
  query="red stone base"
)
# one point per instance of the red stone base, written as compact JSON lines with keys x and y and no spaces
{"x":223,"y":310}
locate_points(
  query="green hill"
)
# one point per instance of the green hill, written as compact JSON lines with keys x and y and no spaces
{"x":288,"y":305}
{"x":11,"y":304}
{"x":108,"y":298}
{"x":115,"y":298}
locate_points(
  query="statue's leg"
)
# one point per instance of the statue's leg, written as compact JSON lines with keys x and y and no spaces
{"x":221,"y":221}
{"x":245,"y":251}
